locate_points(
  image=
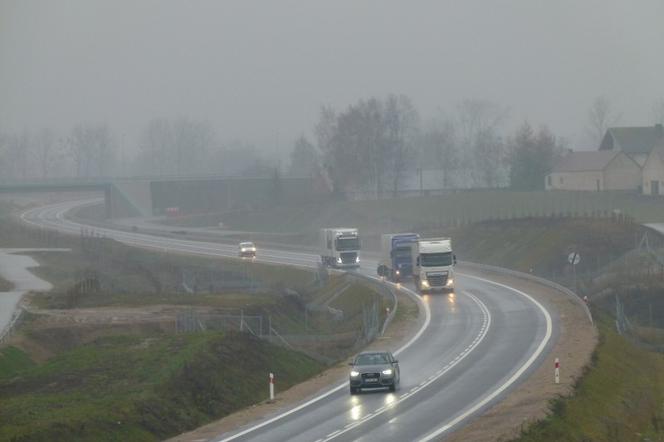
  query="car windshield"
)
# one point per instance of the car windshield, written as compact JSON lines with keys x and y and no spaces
{"x":246,"y":244}
{"x":436,"y":259}
{"x":348,"y":243}
{"x":372,"y":359}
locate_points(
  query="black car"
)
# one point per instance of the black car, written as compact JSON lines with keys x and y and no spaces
{"x":374,"y":369}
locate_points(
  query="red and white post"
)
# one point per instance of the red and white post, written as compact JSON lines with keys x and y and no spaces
{"x":556,"y":372}
{"x":271,"y":386}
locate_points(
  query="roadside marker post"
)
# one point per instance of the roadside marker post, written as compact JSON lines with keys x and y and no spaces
{"x":271,"y":386}
{"x":557,"y":371}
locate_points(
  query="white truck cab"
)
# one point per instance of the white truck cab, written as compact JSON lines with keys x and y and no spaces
{"x":340,"y":247}
{"x":433,"y":264}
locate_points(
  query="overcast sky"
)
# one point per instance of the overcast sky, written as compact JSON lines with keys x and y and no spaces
{"x":259,"y":70}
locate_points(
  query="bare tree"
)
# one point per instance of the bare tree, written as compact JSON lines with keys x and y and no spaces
{"x":90,"y":148}
{"x":438,"y":147}
{"x":401,"y":121}
{"x":483,"y":151}
{"x":304,"y":158}
{"x":192,"y":141}
{"x":180,"y":146}
{"x":658,"y":111}
{"x":16,"y":153}
{"x":156,"y":147}
{"x":600,"y":118}
{"x":46,"y":152}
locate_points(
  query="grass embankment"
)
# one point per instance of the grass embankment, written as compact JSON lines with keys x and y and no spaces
{"x":430,"y":211}
{"x":139,"y":388}
{"x":543,"y":244}
{"x":5,"y":286}
{"x":620,"y":398}
{"x":94,"y":379}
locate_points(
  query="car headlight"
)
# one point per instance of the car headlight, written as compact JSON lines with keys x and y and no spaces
{"x":354,"y":374}
{"x":425,"y":283}
{"x":387,"y":372}
{"x":339,"y":260}
{"x":357,"y":259}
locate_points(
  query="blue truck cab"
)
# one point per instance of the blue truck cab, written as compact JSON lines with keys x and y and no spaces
{"x":396,"y":261}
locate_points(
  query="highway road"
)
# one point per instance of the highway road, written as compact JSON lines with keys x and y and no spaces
{"x":473,"y":348}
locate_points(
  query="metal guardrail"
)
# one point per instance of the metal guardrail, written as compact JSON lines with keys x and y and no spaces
{"x":567,"y":292}
{"x":386,"y":290}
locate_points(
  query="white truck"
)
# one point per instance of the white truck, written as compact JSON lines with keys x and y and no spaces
{"x":433,"y":264}
{"x":396,"y":262}
{"x":340,"y":247}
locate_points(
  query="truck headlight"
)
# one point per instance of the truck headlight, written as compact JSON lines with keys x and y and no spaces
{"x":357,"y":259}
{"x":339,"y":260}
{"x":425,"y":284}
{"x":450,"y":282}
{"x":354,"y":374}
{"x":387,"y":372}
{"x":398,"y":272}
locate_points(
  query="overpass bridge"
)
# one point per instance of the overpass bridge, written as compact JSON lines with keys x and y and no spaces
{"x":147,"y":196}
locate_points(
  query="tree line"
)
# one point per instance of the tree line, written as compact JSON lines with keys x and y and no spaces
{"x":373,"y":145}
{"x":178,"y":146}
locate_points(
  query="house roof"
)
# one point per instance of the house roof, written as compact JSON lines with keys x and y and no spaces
{"x":585,"y":161}
{"x":632,"y":140}
{"x":658,"y":150}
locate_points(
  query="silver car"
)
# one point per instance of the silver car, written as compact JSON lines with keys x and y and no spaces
{"x":247,"y":250}
{"x":374,"y":369}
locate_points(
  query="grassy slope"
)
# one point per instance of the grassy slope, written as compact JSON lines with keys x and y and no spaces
{"x":422,"y":212}
{"x":13,"y":361}
{"x":137,"y":388}
{"x":621,"y":397}
{"x":543,"y":244}
{"x":5,"y":286}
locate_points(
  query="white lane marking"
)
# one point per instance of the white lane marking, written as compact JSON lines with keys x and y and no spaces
{"x":486,"y":324}
{"x":436,"y":433}
{"x":176,"y":244}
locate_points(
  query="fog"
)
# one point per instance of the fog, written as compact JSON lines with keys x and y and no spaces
{"x":259,"y":71}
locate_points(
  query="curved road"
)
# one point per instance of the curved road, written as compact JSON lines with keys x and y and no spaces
{"x":472,"y":348}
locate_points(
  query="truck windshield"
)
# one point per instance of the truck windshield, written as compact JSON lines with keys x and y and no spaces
{"x":436,"y":259}
{"x":402,"y":252}
{"x":348,"y":243}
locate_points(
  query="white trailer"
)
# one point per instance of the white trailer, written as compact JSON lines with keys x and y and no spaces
{"x":433,"y":264}
{"x":340,"y":247}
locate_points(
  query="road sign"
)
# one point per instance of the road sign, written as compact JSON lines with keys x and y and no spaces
{"x":574,"y":258}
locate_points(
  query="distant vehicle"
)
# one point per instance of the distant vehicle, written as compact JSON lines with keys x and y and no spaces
{"x":340,"y":247}
{"x":374,"y":369}
{"x":396,"y":261}
{"x":433,"y":264}
{"x":247,"y":250}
